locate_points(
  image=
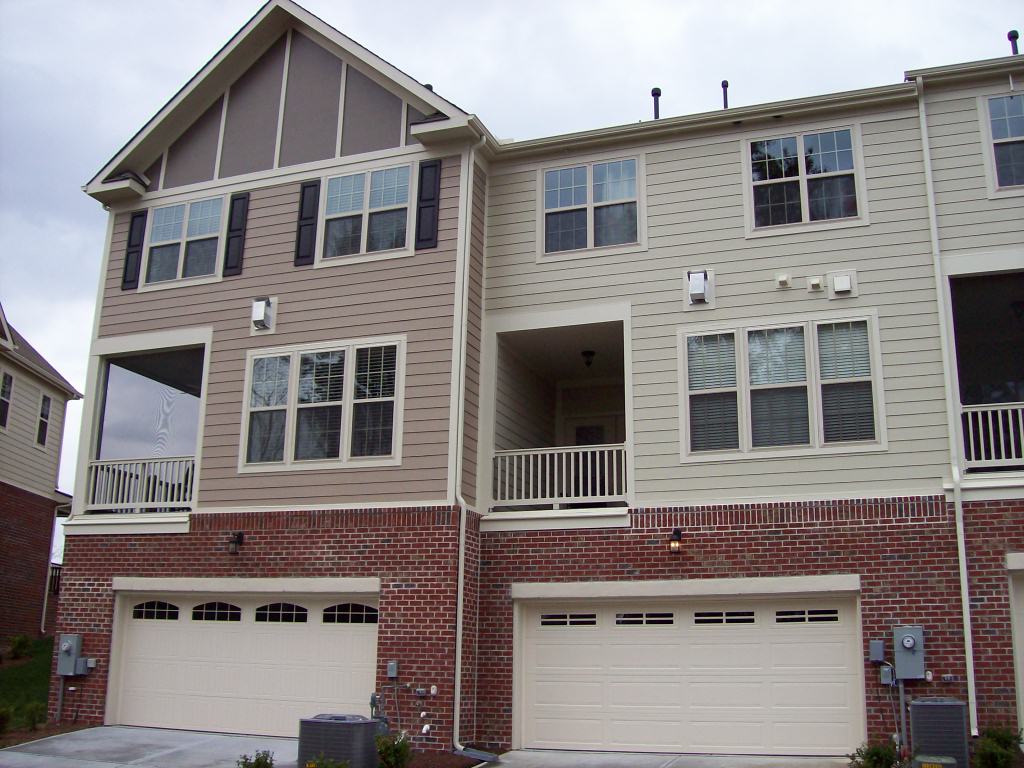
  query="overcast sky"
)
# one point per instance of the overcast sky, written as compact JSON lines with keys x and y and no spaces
{"x":78,"y":78}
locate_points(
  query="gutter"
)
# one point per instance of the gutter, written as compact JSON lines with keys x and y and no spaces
{"x":951,"y":414}
{"x":467,"y":186}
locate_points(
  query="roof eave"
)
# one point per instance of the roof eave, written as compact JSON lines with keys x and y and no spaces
{"x":967,"y":70}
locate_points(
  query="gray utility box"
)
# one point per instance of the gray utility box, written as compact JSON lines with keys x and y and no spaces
{"x":938,"y":727}
{"x":69,"y":656}
{"x":352,"y":738}
{"x":908,"y":652}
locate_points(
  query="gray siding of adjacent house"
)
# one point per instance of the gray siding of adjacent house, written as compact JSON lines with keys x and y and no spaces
{"x":695,"y":218}
{"x":22,"y":462}
{"x":412,"y":295}
{"x":474,"y":320}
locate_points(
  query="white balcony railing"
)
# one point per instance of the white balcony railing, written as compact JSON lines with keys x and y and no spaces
{"x":993,"y":436}
{"x":144,"y":485}
{"x":577,"y":474}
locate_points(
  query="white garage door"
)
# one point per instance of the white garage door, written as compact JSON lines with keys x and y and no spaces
{"x":779,"y":677}
{"x":243,"y":664}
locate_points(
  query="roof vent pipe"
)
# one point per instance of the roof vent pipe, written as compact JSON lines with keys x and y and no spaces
{"x":725,"y":94}
{"x":656,"y":94}
{"x":1012,"y":36}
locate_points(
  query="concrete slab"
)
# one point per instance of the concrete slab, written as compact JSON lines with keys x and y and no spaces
{"x":108,"y":746}
{"x":528,"y":758}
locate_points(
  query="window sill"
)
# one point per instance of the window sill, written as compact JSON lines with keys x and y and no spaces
{"x":588,"y":253}
{"x":1001,"y":192}
{"x":556,"y":519}
{"x":127,"y":523}
{"x":321,"y":466}
{"x":813,"y":226}
{"x":783,"y":453}
{"x":184,"y":282}
{"x":362,"y":258}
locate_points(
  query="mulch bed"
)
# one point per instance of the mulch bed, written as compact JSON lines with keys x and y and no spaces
{"x":20,"y":736}
{"x":440,"y":760}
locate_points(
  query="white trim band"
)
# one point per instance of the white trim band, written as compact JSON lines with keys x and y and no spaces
{"x":551,"y":519}
{"x":121,"y":524}
{"x":1015,"y":561}
{"x":327,"y":585}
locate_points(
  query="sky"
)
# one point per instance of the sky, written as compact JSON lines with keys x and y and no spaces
{"x":78,"y":79}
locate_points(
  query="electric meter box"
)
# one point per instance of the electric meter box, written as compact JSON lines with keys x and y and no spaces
{"x":908,"y":652}
{"x":69,"y":652}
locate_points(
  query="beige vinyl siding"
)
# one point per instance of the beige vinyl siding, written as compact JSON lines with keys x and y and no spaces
{"x":410,"y":295}
{"x":695,"y":217}
{"x":525,"y":405}
{"x":968,"y":219}
{"x":471,"y":404}
{"x":22,"y":462}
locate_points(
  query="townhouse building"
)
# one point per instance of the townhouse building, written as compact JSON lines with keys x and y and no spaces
{"x":631,"y":439}
{"x":33,"y":401}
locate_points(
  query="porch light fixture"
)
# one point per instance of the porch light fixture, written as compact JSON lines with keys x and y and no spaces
{"x":675,"y":542}
{"x":588,"y":357}
{"x":235,"y":542}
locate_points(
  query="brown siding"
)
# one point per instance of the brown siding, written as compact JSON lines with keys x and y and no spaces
{"x":250,"y":129}
{"x":153,"y":174}
{"x":192,"y":157}
{"x":471,"y":404}
{"x":310,"y":130}
{"x":414,"y":296}
{"x":373,"y":116}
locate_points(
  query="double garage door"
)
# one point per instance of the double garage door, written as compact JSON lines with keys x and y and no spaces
{"x":776,"y":676}
{"x":242,"y":664}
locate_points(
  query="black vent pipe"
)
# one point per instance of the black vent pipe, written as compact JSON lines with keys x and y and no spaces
{"x":1012,"y":36}
{"x":725,"y":94}
{"x":656,"y":93}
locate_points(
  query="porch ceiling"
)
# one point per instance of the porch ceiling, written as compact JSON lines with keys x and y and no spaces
{"x":556,"y":353}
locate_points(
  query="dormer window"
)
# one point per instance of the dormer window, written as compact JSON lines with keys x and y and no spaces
{"x":184,"y":240}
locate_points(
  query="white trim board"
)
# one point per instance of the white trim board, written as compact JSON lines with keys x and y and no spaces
{"x":758,"y":585}
{"x":124,"y":524}
{"x":1015,"y":561}
{"x":326,"y":585}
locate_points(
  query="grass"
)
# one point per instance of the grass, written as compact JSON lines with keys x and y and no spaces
{"x":24,"y":682}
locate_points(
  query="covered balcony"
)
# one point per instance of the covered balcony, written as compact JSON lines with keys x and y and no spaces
{"x":560,"y":419}
{"x":146,"y":438}
{"x":988,"y":320}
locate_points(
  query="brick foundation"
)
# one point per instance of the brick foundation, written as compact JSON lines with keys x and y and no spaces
{"x":24,"y":559}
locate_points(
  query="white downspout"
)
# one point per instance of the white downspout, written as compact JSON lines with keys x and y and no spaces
{"x":467,"y":186}
{"x":951,"y":414}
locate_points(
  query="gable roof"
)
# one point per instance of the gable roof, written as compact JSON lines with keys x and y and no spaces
{"x":24,"y":354}
{"x":120,"y":175}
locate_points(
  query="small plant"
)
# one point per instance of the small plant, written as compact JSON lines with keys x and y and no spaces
{"x":879,"y":755}
{"x":394,"y":750}
{"x":326,"y":762}
{"x":263,"y":758}
{"x":5,"y":718}
{"x":32,"y":714}
{"x":997,"y":748}
{"x":20,"y":646}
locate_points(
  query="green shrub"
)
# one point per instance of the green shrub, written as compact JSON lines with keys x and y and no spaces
{"x":394,"y":750}
{"x":32,"y":714}
{"x":326,"y":762}
{"x":5,"y":718}
{"x":20,"y":646}
{"x":1003,"y":735}
{"x":264,"y":758}
{"x":997,"y":748}
{"x":879,"y":755}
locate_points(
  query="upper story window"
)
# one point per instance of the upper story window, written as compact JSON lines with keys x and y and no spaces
{"x":184,"y":240}
{"x":810,"y":384}
{"x":366,"y":212}
{"x":804,"y":178}
{"x":43,"y":428}
{"x":1006,"y":123}
{"x":325,"y":406}
{"x":6,"y":394}
{"x":594,"y":205}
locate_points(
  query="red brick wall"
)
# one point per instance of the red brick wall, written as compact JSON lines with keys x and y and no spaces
{"x":414,"y":552}
{"x":24,"y":559}
{"x":904,"y":550}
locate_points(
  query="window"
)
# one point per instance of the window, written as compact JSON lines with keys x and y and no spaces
{"x":803,"y":616}
{"x":649,"y":617}
{"x":44,"y":420}
{"x":723,"y":617}
{"x":6,"y":393}
{"x":350,"y":613}
{"x":366,"y":212}
{"x":216,"y":612}
{"x":281,"y":613}
{"x":155,"y":609}
{"x":805,"y":384}
{"x":1006,"y":124}
{"x":803,"y":178}
{"x":197,"y":234}
{"x":591,"y":206}
{"x":333,"y":404}
{"x":568,"y":619}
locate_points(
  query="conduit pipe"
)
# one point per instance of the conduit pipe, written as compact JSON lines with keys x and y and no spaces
{"x":951,"y":415}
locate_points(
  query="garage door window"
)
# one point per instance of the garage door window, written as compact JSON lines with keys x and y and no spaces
{"x":810,"y":615}
{"x":568,"y":619}
{"x":282,"y":613}
{"x":723,"y":617}
{"x":641,"y":619}
{"x":350,"y":613}
{"x":155,"y":609}
{"x":216,"y":612}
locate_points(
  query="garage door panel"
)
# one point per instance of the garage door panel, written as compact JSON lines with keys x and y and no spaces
{"x":725,"y":657}
{"x":725,"y":693}
{"x":727,"y":735}
{"x":812,"y":695}
{"x":810,"y":656}
{"x":554,"y":657}
{"x":652,"y":735}
{"x":640,"y":658}
{"x":645,"y":693}
{"x":809,"y":735}
{"x":567,"y":732}
{"x":569,"y":693}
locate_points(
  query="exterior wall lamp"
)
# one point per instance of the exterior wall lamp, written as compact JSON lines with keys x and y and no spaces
{"x":235,"y":542}
{"x":675,"y":542}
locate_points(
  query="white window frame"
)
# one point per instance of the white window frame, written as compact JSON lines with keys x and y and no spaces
{"x":179,"y":281}
{"x":591,"y":250}
{"x":40,"y":419}
{"x":10,"y":400}
{"x":346,"y":460}
{"x":988,"y":148}
{"x":363,"y":256}
{"x":805,"y":225}
{"x":817,"y":445}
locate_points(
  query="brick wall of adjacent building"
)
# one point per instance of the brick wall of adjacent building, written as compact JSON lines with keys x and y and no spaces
{"x":24,"y":559}
{"x":414,"y":552}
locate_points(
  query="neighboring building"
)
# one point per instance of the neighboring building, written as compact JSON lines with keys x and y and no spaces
{"x":369,"y":385}
{"x":33,"y":398}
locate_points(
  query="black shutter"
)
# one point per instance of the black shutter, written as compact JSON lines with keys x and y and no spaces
{"x":238,"y":215}
{"x":305,"y":235}
{"x":428,"y":203}
{"x":133,"y":253}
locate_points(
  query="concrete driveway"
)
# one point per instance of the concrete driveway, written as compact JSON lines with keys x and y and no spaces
{"x":528,"y":758}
